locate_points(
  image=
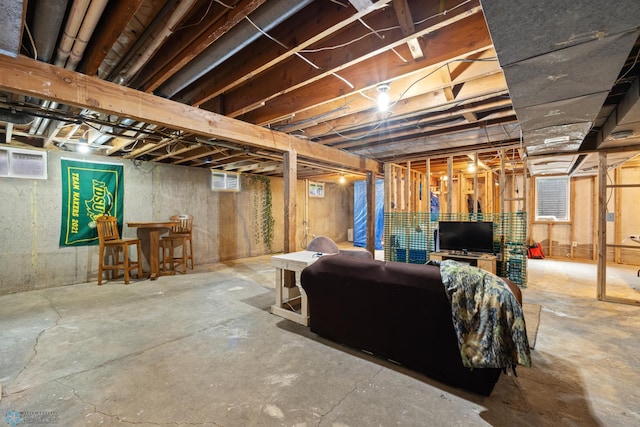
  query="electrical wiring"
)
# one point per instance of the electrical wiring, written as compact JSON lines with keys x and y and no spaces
{"x":443,"y":13}
{"x":224,"y":4}
{"x":402,"y":95}
{"x":379,"y":32}
{"x":403,"y":59}
{"x":635,"y":61}
{"x":339,"y":46}
{"x":319,"y":117}
{"x":33,"y":44}
{"x":206,"y":12}
{"x":264,"y":33}
{"x":337,"y":132}
{"x":204,"y":15}
{"x":381,"y":37}
{"x":347,"y":82}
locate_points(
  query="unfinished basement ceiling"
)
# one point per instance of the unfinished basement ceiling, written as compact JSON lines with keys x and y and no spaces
{"x":462,"y":76}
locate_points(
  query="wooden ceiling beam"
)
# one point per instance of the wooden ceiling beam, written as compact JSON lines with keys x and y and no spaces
{"x":447,"y":83}
{"x":33,"y":78}
{"x":343,"y":49}
{"x":480,"y":90}
{"x":178,"y":152}
{"x":372,"y":53}
{"x":426,"y":81}
{"x":462,"y":142}
{"x":403,"y":135}
{"x":409,"y":125}
{"x":406,"y":24}
{"x":264,"y":53}
{"x":217,"y":155}
{"x":466,"y":36}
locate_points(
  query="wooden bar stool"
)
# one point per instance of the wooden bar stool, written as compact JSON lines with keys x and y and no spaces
{"x":109,"y":237}
{"x":180,"y":235}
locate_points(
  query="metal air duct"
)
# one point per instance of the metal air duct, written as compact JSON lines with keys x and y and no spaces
{"x":47,"y":22}
{"x":265,"y":17}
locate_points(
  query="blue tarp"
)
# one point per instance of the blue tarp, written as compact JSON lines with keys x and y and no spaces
{"x":360,"y":213}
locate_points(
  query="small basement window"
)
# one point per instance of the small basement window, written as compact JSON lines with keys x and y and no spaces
{"x":225,"y":181}
{"x":552,"y":198}
{"x":18,"y":163}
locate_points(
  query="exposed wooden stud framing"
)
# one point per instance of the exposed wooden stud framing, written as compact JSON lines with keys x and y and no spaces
{"x":389,"y":178}
{"x":617,"y":227}
{"x":601,"y":291}
{"x":602,"y":227}
{"x":371,"y":213}
{"x":427,"y":175}
{"x":450,"y":184}
{"x":290,"y":194}
{"x":409,"y":187}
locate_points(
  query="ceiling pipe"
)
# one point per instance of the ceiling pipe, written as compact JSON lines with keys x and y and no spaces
{"x":81,"y":24}
{"x":47,"y":21}
{"x":15,"y":117}
{"x":74,"y":21}
{"x":178,"y":15}
{"x":265,"y":17}
{"x":86,"y":31}
{"x":138,"y":45}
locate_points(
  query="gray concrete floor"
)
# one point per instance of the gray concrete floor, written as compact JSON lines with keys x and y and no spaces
{"x":203,"y":349}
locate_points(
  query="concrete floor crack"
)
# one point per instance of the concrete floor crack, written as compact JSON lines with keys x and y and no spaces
{"x":34,"y":351}
{"x":356,"y":385}
{"x":110,"y":361}
{"x":103,"y":413}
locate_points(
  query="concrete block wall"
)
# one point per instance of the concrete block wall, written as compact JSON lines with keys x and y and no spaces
{"x":31,"y":258}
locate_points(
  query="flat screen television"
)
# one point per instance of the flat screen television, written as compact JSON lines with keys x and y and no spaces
{"x":465,"y":236}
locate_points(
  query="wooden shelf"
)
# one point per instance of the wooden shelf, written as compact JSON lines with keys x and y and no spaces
{"x":485,"y":262}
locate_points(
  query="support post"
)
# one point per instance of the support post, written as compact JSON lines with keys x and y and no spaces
{"x":602,"y":225}
{"x":290,"y":208}
{"x":371,"y":213}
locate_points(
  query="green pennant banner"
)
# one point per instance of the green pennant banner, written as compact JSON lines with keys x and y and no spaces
{"x":89,"y":190}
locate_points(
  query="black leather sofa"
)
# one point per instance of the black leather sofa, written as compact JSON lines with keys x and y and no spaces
{"x":394,"y":310}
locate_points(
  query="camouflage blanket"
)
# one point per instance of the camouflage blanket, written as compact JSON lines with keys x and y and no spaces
{"x":486,"y":316}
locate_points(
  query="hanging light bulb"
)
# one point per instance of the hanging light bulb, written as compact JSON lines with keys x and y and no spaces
{"x":342,"y":179}
{"x":83,"y":147}
{"x":383,"y":97}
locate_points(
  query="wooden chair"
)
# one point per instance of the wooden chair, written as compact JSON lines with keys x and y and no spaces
{"x":110,"y":239}
{"x":179,"y":235}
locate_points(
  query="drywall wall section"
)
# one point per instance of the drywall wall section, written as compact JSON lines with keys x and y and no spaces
{"x":224,"y":226}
